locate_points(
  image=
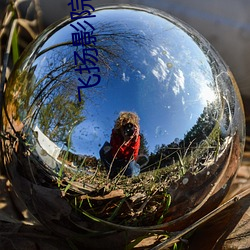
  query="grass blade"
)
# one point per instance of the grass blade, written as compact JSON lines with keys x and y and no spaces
{"x":14,"y":45}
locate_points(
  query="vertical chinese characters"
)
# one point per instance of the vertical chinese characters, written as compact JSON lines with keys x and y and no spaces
{"x":83,"y":36}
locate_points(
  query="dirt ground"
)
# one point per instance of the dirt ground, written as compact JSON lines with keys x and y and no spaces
{"x":230,"y":229}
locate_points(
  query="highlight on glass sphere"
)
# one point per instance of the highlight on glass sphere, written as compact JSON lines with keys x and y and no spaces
{"x":125,"y":122}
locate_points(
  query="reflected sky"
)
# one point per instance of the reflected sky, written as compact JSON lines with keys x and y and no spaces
{"x":148,"y":65}
{"x":168,"y":85}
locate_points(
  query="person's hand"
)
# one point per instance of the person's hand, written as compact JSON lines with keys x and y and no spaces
{"x":134,"y":136}
{"x":136,"y":132}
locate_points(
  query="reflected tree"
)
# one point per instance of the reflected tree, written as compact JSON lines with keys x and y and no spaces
{"x":57,"y":117}
{"x":143,"y":146}
{"x":203,"y":127}
{"x":204,"y":136}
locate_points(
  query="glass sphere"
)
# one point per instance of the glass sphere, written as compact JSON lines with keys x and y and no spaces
{"x":121,"y":123}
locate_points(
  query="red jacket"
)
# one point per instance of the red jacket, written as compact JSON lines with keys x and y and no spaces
{"x":126,"y":151}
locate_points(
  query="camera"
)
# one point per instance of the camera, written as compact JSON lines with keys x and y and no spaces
{"x":128,"y":129}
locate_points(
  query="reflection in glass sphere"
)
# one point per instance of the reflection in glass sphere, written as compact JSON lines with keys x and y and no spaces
{"x":154,"y":142}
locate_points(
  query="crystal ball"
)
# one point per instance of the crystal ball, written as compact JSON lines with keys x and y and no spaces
{"x":120,"y":124}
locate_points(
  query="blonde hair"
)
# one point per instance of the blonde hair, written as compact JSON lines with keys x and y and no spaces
{"x":126,"y":117}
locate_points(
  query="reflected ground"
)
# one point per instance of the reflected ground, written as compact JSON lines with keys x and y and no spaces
{"x":189,"y":108}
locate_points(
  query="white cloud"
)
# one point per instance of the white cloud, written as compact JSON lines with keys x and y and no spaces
{"x":159,"y":132}
{"x":161,"y":70}
{"x":206,"y":93}
{"x":154,"y":52}
{"x":145,"y":62}
{"x":179,"y":82}
{"x":183,"y":101}
{"x":142,"y":76}
{"x":125,"y":78}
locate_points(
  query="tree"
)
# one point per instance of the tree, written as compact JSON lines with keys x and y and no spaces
{"x":57,"y":117}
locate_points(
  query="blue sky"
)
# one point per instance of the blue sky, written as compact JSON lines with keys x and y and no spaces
{"x":158,"y":71}
{"x":168,"y":87}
